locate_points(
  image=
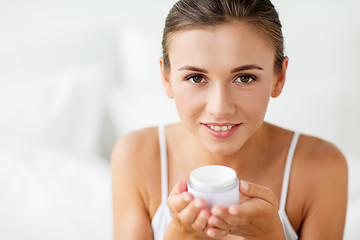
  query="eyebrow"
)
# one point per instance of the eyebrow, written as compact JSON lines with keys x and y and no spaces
{"x":192,"y":68}
{"x":238,"y":69}
{"x":246,"y":67}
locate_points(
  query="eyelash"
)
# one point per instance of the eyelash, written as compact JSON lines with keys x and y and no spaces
{"x":196,"y":75}
{"x":251,"y":78}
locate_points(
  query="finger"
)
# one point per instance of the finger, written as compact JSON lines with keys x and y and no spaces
{"x":200,"y":222}
{"x":180,"y":187}
{"x":238,"y":214}
{"x":178,"y":202}
{"x":249,"y":209}
{"x":220,"y":217}
{"x":179,"y":198}
{"x":253,"y":190}
{"x":217,"y":222}
{"x":225,"y":219}
{"x":214,"y":232}
{"x":190,"y":212}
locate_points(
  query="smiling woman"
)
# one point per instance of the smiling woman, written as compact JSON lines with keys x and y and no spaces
{"x":229,"y":77}
{"x":222,"y":62}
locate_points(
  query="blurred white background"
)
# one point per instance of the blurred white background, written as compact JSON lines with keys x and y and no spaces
{"x":76,"y":75}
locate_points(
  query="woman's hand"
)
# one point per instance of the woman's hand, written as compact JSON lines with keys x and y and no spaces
{"x":189,"y":215}
{"x":256,"y":217}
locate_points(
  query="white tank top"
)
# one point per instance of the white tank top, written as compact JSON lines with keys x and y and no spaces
{"x":162,"y":216}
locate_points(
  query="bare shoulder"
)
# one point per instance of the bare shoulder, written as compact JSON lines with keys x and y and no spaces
{"x":322,"y":155}
{"x":136,"y":157}
{"x":323,"y":167}
{"x":322,"y":163}
{"x":135,"y":171}
{"x":131,"y":148}
{"x":322,"y":174}
{"x":316,"y":160}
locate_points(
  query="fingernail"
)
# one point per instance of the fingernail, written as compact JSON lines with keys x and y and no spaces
{"x":210,"y":233}
{"x":203,"y":214}
{"x":198,"y":203}
{"x":217,"y":211}
{"x":244,"y":185}
{"x":187,"y":198}
{"x":213,"y":220}
{"x":233,"y":211}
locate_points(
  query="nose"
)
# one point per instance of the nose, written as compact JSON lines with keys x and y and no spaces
{"x":220,"y":102}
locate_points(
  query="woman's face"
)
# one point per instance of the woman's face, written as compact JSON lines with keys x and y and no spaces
{"x":221,"y":79}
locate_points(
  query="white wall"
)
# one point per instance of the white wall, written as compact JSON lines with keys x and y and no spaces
{"x":43,"y":38}
{"x":321,"y":96}
{"x":59,"y":57}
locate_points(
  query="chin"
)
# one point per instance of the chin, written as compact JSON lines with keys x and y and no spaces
{"x":223,"y":149}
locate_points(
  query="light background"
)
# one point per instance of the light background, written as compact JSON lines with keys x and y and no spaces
{"x":76,"y":75}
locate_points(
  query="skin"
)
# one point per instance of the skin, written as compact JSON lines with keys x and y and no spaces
{"x":209,"y":89}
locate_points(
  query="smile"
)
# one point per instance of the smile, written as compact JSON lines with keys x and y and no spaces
{"x":220,"y":128}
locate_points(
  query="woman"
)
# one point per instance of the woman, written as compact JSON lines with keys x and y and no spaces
{"x":222,"y":61}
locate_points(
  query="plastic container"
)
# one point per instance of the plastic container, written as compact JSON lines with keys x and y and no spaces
{"x":217,"y":185}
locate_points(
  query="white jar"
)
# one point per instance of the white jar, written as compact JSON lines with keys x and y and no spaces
{"x":217,"y":185}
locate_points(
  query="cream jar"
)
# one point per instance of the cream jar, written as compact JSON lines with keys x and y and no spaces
{"x":217,"y":185}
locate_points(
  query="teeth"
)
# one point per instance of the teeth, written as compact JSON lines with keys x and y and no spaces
{"x":225,"y":128}
{"x":220,"y":128}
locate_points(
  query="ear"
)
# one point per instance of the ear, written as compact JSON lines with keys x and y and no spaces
{"x":165,"y":72}
{"x":280,"y":78}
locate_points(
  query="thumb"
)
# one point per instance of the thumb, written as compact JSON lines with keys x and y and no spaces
{"x":179,"y":188}
{"x":253,"y":190}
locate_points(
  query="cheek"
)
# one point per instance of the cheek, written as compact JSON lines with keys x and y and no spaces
{"x":254,"y":104}
{"x":188,"y":102}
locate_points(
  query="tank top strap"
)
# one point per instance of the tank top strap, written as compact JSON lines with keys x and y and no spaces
{"x":163,"y":161}
{"x":286,"y":177}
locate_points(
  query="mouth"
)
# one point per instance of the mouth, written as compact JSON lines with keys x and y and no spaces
{"x":221,"y":130}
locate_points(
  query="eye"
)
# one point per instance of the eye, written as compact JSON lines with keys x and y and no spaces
{"x":196,"y":79}
{"x":245,"y":78}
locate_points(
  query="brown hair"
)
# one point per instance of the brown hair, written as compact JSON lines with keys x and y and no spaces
{"x":260,"y":14}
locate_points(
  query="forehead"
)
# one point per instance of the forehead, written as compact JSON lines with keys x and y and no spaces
{"x":226,"y":44}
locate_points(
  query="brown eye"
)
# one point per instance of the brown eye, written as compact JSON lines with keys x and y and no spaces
{"x":196,"y":79}
{"x":245,"y":79}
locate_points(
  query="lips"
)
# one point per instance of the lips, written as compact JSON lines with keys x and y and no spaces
{"x":221,"y":130}
{"x":218,"y":128}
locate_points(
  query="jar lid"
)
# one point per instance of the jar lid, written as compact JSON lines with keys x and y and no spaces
{"x":213,"y":178}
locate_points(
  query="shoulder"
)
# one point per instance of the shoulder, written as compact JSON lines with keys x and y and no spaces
{"x":311,"y":153}
{"x":134,"y":170}
{"x":135,"y":163}
{"x":321,"y":155}
{"x":315,"y":158}
{"x":136,"y":155}
{"x":321,"y":176}
{"x":131,"y":140}
{"x":323,"y":165}
{"x":131,"y":148}
{"x":137,"y":142}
